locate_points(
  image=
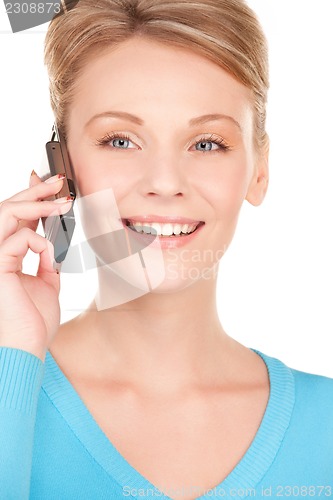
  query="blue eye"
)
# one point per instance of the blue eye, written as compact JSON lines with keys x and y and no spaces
{"x":207,"y":144}
{"x":117,"y":141}
{"x":204,"y":144}
{"x":121,"y":143}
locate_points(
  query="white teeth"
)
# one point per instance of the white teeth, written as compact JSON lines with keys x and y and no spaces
{"x":167,"y":229}
{"x":156,"y":228}
{"x":162,"y":229}
{"x":177,"y":228}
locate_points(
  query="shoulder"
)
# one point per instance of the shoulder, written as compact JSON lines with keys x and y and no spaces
{"x":307,"y":400}
{"x":312,"y":394}
{"x":311,"y":424}
{"x":314,"y":390}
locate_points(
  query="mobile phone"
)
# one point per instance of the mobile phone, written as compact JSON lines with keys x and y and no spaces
{"x":59,"y":229}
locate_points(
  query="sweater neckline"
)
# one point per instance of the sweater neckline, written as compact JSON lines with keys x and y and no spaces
{"x":246,"y":474}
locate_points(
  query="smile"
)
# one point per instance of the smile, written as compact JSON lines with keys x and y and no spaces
{"x":159,"y":229}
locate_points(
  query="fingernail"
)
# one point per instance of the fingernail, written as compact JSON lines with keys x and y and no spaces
{"x":55,"y":178}
{"x":33,"y":173}
{"x":65,"y":199}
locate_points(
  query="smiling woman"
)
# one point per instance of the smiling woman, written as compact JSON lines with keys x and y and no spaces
{"x":162,"y":106}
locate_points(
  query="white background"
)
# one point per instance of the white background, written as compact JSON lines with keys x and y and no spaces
{"x":275,"y":283}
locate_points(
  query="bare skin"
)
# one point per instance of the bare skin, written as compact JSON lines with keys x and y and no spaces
{"x":183,"y":440}
{"x":161,"y":369}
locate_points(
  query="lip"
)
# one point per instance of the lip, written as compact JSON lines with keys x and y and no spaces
{"x":164,"y":242}
{"x":166,"y":219}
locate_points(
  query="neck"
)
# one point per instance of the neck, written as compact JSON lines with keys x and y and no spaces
{"x":167,"y":341}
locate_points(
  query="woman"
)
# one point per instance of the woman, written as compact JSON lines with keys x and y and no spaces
{"x":162,"y":105}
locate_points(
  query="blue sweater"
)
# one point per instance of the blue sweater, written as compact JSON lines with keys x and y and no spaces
{"x":51,"y":448}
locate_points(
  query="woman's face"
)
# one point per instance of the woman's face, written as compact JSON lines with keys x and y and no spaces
{"x":168,"y":134}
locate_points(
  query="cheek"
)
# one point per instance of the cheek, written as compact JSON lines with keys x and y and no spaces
{"x":228,"y":190}
{"x":84,"y":173}
{"x":92,"y":176}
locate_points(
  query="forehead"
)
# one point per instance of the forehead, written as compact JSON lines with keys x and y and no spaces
{"x":149,"y":77}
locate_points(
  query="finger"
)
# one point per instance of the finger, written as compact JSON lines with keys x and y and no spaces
{"x":40,"y":190}
{"x":45,"y":269}
{"x":34,"y":179}
{"x":12,"y":212}
{"x":17,"y":246}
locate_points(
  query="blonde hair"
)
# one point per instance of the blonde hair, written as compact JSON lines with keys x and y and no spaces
{"x":227,"y":32}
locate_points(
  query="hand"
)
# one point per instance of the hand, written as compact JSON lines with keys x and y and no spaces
{"x":29,"y":305}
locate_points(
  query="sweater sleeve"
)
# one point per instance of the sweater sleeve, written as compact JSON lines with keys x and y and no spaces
{"x":21,"y":375}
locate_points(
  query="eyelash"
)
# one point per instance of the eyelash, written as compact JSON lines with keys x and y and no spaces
{"x":219,"y":141}
{"x":111,"y":137}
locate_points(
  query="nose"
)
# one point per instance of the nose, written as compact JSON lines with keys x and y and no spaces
{"x":163,"y":175}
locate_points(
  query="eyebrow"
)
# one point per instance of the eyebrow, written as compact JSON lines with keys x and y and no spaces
{"x":211,"y":118}
{"x":200,"y":120}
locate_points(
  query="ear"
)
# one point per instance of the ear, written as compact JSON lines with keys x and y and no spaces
{"x":259,"y":183}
